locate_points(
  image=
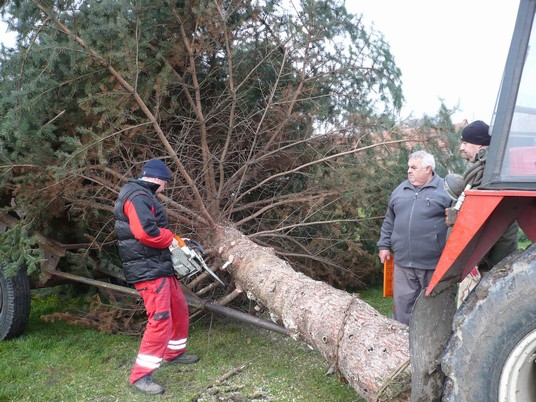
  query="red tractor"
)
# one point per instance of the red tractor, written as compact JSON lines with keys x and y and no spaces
{"x":485,"y":350}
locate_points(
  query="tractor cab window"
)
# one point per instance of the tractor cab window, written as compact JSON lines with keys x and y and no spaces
{"x":520,"y":158}
{"x":514,"y":157}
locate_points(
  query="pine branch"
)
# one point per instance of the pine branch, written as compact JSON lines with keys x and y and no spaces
{"x":119,"y":78}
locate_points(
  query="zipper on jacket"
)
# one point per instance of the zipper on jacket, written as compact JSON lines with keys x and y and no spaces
{"x":409,"y":230}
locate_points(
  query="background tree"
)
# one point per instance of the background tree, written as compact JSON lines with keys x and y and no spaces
{"x":249,"y":97}
{"x":273,"y":120}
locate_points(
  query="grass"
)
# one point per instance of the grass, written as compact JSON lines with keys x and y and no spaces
{"x":374,"y":297}
{"x":56,"y":361}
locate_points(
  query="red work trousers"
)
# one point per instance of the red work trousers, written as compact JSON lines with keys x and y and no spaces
{"x":166,"y":332}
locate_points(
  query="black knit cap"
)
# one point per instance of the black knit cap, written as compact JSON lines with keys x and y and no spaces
{"x":156,"y":168}
{"x":476,"y":133}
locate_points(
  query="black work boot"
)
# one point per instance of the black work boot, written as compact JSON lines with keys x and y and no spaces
{"x":183,"y":359}
{"x":146,"y":385}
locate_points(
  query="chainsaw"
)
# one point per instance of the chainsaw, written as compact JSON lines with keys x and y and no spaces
{"x":187,"y":261}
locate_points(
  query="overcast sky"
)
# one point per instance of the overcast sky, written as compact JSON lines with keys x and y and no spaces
{"x":454,"y":50}
{"x":6,"y":37}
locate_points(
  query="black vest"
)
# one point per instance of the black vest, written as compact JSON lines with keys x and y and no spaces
{"x":140,"y":262}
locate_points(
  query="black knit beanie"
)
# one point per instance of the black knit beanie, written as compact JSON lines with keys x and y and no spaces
{"x":156,"y":168}
{"x":476,"y":133}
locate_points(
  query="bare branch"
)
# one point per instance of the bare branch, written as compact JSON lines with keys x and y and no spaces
{"x":321,"y":160}
{"x":209,"y":176}
{"x":283,"y":200}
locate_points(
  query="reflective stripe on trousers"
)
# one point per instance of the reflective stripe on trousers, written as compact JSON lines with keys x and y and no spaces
{"x":166,"y":332}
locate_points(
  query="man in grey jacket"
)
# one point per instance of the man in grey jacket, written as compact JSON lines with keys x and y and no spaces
{"x":414,"y":228}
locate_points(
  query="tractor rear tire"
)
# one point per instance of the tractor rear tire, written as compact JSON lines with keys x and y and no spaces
{"x":490,"y":356}
{"x":15,"y":303}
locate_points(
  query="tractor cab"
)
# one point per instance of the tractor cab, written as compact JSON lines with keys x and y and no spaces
{"x":507,"y":192}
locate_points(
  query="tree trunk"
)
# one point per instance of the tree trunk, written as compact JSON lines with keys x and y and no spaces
{"x":369,"y":350}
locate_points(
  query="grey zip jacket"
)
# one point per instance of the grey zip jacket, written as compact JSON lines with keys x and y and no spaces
{"x":414,"y":224}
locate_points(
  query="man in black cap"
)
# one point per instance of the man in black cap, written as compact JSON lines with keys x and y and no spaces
{"x":475,"y":137}
{"x":143,"y":234}
{"x":475,"y":140}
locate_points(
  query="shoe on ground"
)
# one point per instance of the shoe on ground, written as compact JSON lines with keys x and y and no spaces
{"x":184,"y":359}
{"x":148,"y":386}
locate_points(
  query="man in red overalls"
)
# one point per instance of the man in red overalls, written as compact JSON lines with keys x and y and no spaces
{"x":142,"y":229}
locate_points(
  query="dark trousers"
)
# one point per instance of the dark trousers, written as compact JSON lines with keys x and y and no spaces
{"x":407,"y":285}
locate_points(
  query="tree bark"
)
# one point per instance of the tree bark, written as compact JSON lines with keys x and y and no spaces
{"x":368,"y":349}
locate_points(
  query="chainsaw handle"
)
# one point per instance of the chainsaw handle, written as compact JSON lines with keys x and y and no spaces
{"x":179,"y":240}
